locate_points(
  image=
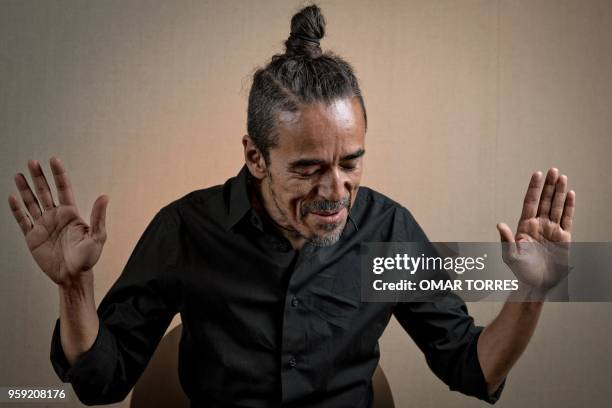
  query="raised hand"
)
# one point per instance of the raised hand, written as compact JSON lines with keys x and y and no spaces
{"x":61,"y":242}
{"x":538,"y":254}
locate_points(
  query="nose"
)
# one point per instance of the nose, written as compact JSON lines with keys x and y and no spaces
{"x":332,"y":186}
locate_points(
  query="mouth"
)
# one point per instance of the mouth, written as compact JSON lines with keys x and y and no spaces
{"x":329,"y":217}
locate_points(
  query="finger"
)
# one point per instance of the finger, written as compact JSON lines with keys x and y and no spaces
{"x":98,"y":218}
{"x":547,"y":192}
{"x":62,"y":182}
{"x":530,"y":203}
{"x":43,"y":192}
{"x":568,"y":211}
{"x":559,"y":199}
{"x":20,"y":215}
{"x":27,"y":196}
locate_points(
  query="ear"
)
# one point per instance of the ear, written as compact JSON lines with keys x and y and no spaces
{"x":253,"y":158}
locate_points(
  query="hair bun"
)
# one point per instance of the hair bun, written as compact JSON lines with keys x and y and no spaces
{"x":307,"y":29}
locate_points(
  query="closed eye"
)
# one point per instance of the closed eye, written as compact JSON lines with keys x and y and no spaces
{"x":350,"y":165}
{"x":308,"y":173}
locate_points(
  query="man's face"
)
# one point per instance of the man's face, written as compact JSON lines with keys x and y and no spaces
{"x":315,"y":169}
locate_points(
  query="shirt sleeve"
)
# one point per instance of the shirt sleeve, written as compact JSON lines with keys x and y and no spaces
{"x":444,"y":331}
{"x":133,"y":315}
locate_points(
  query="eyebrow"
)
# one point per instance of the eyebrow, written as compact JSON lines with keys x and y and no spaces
{"x":316,"y":162}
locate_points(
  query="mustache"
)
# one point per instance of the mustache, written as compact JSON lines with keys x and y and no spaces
{"x":325,"y":206}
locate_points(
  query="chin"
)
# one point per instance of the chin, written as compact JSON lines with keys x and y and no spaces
{"x":330,"y":234}
{"x":326,"y":240}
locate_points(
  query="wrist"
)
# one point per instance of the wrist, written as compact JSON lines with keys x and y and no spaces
{"x":528,"y":293}
{"x":78,"y":290}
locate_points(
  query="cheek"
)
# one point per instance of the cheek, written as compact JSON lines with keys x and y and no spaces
{"x":294,"y":194}
{"x":354,"y":180}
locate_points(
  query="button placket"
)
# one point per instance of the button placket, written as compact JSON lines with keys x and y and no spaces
{"x":292,"y":330}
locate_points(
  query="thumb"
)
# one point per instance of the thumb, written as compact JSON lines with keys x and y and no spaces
{"x":507,"y":241}
{"x":98,"y":218}
{"x":505,"y":233}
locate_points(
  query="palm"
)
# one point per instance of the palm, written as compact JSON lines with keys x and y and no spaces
{"x":538,"y":254}
{"x":61,"y":242}
{"x":541,"y":229}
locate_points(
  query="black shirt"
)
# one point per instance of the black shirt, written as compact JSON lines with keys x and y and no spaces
{"x":263,"y":324}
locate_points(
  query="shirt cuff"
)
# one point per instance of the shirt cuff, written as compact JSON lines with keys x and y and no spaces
{"x":91,"y":364}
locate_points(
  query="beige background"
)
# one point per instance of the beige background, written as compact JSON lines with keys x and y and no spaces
{"x":146,"y":101}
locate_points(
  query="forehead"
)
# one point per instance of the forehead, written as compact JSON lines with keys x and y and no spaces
{"x":320,"y":130}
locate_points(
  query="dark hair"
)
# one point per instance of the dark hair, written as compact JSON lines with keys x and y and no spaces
{"x":302,"y":75}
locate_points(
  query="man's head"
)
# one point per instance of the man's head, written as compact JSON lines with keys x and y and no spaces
{"x":306,"y":135}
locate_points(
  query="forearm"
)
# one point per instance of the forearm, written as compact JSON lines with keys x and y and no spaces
{"x":78,"y":317}
{"x":503,"y":341}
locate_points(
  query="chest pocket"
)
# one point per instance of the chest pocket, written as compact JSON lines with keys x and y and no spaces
{"x":336,"y":308}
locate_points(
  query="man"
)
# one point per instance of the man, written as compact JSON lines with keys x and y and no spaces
{"x":264,"y":269}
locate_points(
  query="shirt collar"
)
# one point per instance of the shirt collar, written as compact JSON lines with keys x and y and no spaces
{"x":239,"y":202}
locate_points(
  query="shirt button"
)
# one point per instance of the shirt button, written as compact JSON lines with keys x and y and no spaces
{"x":280,"y":245}
{"x":292,"y":362}
{"x":294,"y":302}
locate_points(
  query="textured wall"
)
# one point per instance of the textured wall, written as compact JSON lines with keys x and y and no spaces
{"x":146,"y":101}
